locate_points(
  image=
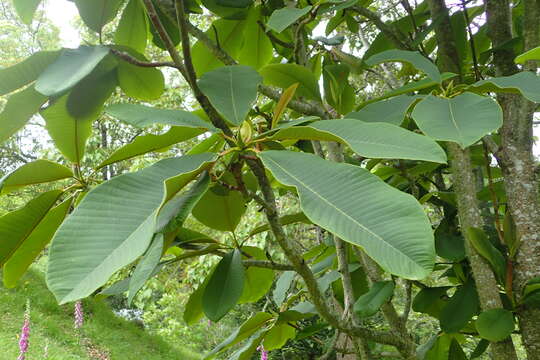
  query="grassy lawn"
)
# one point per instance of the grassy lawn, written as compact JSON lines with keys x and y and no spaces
{"x":107,"y":336}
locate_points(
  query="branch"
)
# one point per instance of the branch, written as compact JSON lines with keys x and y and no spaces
{"x":393,"y":34}
{"x":214,"y":116}
{"x":130,"y":59}
{"x":268,"y":265}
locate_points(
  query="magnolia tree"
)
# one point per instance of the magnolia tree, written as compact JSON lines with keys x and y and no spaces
{"x":282,"y":114}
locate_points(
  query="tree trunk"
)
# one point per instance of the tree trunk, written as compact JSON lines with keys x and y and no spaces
{"x":465,"y":187}
{"x":517,"y":160}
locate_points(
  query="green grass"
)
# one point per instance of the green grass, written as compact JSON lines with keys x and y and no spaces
{"x":53,"y":325}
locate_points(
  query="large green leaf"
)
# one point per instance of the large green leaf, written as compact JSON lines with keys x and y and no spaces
{"x":33,"y":245}
{"x":112,"y":226}
{"x":460,"y":308}
{"x":361,"y":209}
{"x":147,"y":143}
{"x":193,"y":311}
{"x":228,"y":9}
{"x":220,"y":208}
{"x":18,"y":110}
{"x":390,"y":111}
{"x":35,"y":172}
{"x":278,"y":336}
{"x":224,"y":287}
{"x":371,"y":140}
{"x":28,"y":70}
{"x":232,"y":90}
{"x":145,"y":267}
{"x":248,"y":328}
{"x":337,"y":91}
{"x":69,"y":133}
{"x":283,"y":285}
{"x":412,"y":57}
{"x":88,"y":96}
{"x":533,"y":54}
{"x":231,"y":38}
{"x":495,"y":324}
{"x":257,"y":50}
{"x":285,"y":75}
{"x":69,"y":68}
{"x":26,"y":9}
{"x":142,"y":116}
{"x":488,"y":251}
{"x":285,"y":17}
{"x":258,"y":281}
{"x":132,"y":29}
{"x":17,"y":226}
{"x":527,"y":83}
{"x":464,"y":119}
{"x":369,"y":303}
{"x":97,"y":13}
{"x":140,"y":82}
{"x":429,"y":300}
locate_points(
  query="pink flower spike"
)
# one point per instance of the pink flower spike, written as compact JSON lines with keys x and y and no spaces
{"x":79,"y":315}
{"x":264,"y":353}
{"x":25,"y":333}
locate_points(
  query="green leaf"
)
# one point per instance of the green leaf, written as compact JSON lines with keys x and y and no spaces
{"x":228,"y":9}
{"x":35,"y":172}
{"x":480,"y":349}
{"x":174,"y":213}
{"x":337,"y":91}
{"x":460,"y":308}
{"x":232,"y":90}
{"x":18,"y":110}
{"x":142,"y":116}
{"x":495,"y":324}
{"x":26,"y":9}
{"x":464,"y":119}
{"x":361,"y":209}
{"x":278,"y":336}
{"x":451,"y":247}
{"x":114,"y":224}
{"x":285,"y":75}
{"x":430,"y":300}
{"x":147,"y":143}
{"x":97,"y":13}
{"x":28,"y":70}
{"x":69,"y":68}
{"x":246,"y":352}
{"x":18,"y":225}
{"x":257,"y":50}
{"x":132,"y":29}
{"x":258,"y":281}
{"x":412,"y":57}
{"x":441,"y":348}
{"x":167,"y":17}
{"x":285,"y":17}
{"x":369,"y":303}
{"x":485,"y":248}
{"x":531,"y":55}
{"x":231,"y":37}
{"x":224,"y":287}
{"x":390,"y":111}
{"x":284,"y":220}
{"x":220,"y":208}
{"x":193,"y":311}
{"x":525,"y":82}
{"x":371,"y":140}
{"x":68,"y":133}
{"x":139,"y":82}
{"x":248,"y":328}
{"x":89,"y":95}
{"x":145,"y":267}
{"x":283,"y":285}
{"x":33,"y":245}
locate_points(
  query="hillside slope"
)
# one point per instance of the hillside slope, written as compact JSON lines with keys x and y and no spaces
{"x":104,"y":335}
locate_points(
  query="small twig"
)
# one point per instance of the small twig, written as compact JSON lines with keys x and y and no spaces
{"x":494,"y":201}
{"x":130,"y":59}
